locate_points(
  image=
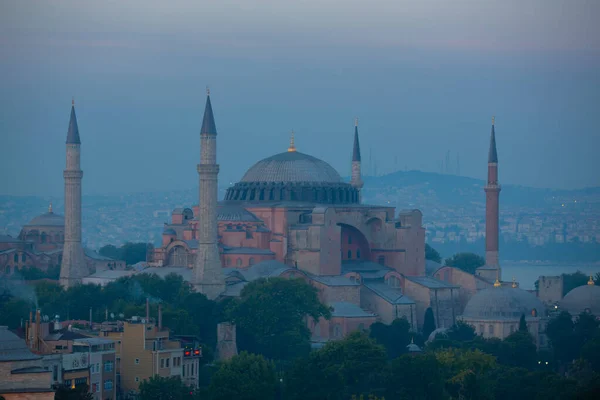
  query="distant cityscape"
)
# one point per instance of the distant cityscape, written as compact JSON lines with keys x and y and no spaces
{"x":453,"y":209}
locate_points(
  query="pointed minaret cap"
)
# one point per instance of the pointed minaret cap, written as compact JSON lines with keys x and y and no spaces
{"x":514,"y":284}
{"x":356,"y":147}
{"x":73,"y":132}
{"x":591,"y":281}
{"x":493,"y":154}
{"x":50,"y":207}
{"x":292,"y":147}
{"x":497,"y":283}
{"x":208,"y":122}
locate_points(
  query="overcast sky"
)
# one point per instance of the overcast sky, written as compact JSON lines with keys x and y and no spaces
{"x":423,"y":77}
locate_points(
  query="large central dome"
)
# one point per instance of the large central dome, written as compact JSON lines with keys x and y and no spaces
{"x":292,"y":177}
{"x":292,"y":166}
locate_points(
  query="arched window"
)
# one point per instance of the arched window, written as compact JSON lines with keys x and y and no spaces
{"x":317,"y":330}
{"x":23,"y":257}
{"x":228,"y":261}
{"x":16,"y":258}
{"x":349,"y":254}
{"x":491,"y":329}
{"x":349,"y":239}
{"x":337,"y":331}
{"x":251,"y":261}
{"x":358,"y":253}
{"x":238,"y":262}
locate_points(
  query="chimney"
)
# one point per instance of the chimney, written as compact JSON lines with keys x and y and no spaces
{"x":159,"y":317}
{"x":147,"y":309}
{"x":36,"y":332}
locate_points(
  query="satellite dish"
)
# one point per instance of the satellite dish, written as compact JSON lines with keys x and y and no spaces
{"x":112,"y":316}
{"x":45,"y":318}
{"x":121,"y":315}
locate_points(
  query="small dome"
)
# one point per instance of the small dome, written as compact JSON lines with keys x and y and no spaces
{"x":503,"y":303}
{"x":169,"y":231}
{"x":582,"y":298}
{"x":47,"y":219}
{"x":292,"y":166}
{"x":235,"y":213}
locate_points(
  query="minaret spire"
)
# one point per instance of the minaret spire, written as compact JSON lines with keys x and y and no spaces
{"x":73,"y":266}
{"x":208,"y":276}
{"x":492,"y":217}
{"x":356,"y":180}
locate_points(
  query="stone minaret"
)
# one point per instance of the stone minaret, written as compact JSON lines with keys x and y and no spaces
{"x":73,"y":266}
{"x":492,"y":196}
{"x":208,"y":277}
{"x":356,"y":180}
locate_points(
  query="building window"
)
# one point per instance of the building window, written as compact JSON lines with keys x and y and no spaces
{"x":137,"y":361}
{"x":162,"y":362}
{"x":108,"y":366}
{"x":512,"y":329}
{"x":137,"y":378}
{"x":358,"y":253}
{"x":228,"y":261}
{"x":23,"y":257}
{"x":55,"y":373}
{"x":337,"y":331}
{"x":349,"y":239}
{"x":251,"y":261}
{"x":381,"y":260}
{"x":491,"y":329}
{"x":16,"y":258}
{"x":167,"y":362}
{"x":80,"y":381}
{"x":108,"y":384}
{"x":481,"y":329}
{"x":238,"y":262}
{"x":92,"y":368}
{"x":349,"y":254}
{"x":95,"y":388}
{"x":192,"y":373}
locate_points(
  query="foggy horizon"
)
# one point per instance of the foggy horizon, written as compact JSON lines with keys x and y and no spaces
{"x":423,"y":79}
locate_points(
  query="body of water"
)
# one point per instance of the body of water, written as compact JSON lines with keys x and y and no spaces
{"x":526,"y":275}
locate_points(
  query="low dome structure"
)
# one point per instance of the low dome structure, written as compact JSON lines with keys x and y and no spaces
{"x":47,"y":219}
{"x":584,"y":298}
{"x":503,"y":303}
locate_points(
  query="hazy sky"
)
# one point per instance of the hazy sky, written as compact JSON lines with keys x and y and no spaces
{"x":424,"y":77}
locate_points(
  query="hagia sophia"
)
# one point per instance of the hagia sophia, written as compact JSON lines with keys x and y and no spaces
{"x":293,"y":215}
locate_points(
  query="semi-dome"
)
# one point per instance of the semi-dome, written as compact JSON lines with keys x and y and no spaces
{"x":47,"y":219}
{"x":291,"y":166}
{"x":169,"y":231}
{"x":293,"y":176}
{"x":581,"y":299}
{"x":503,"y":303}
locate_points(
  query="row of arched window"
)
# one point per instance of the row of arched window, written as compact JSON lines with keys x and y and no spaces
{"x":239,"y":262}
{"x":16,"y":257}
{"x":357,"y":254}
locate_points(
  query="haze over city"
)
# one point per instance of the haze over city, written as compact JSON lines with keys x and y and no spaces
{"x":423,"y":78}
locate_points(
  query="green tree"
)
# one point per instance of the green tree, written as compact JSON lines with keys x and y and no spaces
{"x":461,"y":332}
{"x":81,"y":392}
{"x":244,"y":377}
{"x":468,"y":262}
{"x":415,"y":378}
{"x":428,"y":323}
{"x":270,"y":317}
{"x":394,"y":337}
{"x":520,"y":350}
{"x":523,"y":324}
{"x":161,"y":388}
{"x":560,"y":332}
{"x":354,"y":365}
{"x":133,"y":253}
{"x":432,"y":254}
{"x":571,"y":281}
{"x":110,"y":251}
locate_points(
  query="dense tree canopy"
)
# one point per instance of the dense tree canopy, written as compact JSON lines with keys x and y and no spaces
{"x":244,"y":377}
{"x":468,"y":262}
{"x":81,"y":392}
{"x":432,"y":254}
{"x":394,"y":337}
{"x":270,"y":317}
{"x":161,"y":388}
{"x":131,"y":253}
{"x":428,"y":323}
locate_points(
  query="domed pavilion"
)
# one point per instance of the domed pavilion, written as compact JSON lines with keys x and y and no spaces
{"x":584,"y":298}
{"x":496,"y":312}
